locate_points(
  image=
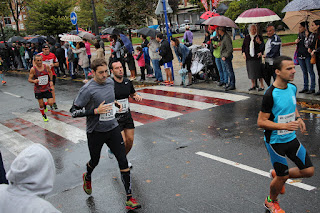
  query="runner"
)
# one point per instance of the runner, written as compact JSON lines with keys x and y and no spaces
{"x":280,"y":118}
{"x":51,"y":60}
{"x":102,"y":127}
{"x":41,"y":76}
{"x":123,"y":89}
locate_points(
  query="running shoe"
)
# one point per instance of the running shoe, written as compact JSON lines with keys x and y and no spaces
{"x":273,"y":206}
{"x":45,"y":119}
{"x":171,"y":83}
{"x":86,"y":184}
{"x":110,"y":154}
{"x":3,"y":82}
{"x":272,"y":175}
{"x":45,"y":107}
{"x":54,"y":105}
{"x":132,"y":204}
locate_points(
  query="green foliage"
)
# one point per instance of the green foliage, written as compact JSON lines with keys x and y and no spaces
{"x":50,"y":18}
{"x":85,"y":15}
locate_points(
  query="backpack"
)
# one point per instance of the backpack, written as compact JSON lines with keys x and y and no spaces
{"x":145,"y":51}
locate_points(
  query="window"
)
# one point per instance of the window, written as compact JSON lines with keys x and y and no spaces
{"x":21,"y":26}
{"x":7,"y":20}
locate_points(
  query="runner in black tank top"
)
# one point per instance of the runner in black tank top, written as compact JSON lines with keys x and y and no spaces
{"x":41,"y":76}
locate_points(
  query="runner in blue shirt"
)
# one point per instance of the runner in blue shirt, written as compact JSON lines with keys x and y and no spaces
{"x":280,"y":119}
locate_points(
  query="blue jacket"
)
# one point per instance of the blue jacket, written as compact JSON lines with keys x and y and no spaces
{"x":182,"y":52}
{"x":275,"y":47}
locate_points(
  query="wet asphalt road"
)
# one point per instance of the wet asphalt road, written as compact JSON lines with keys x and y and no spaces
{"x":168,"y":175}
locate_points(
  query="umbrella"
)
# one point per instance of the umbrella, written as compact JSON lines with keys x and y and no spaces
{"x":257,"y":15}
{"x":208,"y":14}
{"x":86,"y":35}
{"x":222,"y":8}
{"x":297,"y":5}
{"x":148,"y":32}
{"x":16,"y":39}
{"x":127,"y":43}
{"x":111,"y":31}
{"x":200,"y":21}
{"x":37,"y":40}
{"x":154,"y":26}
{"x":294,"y":18}
{"x":220,"y":21}
{"x":72,"y":38}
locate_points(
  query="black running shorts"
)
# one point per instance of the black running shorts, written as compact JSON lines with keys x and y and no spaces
{"x":47,"y":94}
{"x":125,"y":121}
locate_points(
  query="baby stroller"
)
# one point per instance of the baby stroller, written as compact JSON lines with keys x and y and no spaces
{"x":201,"y":64}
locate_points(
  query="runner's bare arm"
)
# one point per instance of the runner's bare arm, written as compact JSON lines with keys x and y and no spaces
{"x":31,"y":75}
{"x":265,"y":123}
{"x":50,"y":75}
{"x":136,"y":97}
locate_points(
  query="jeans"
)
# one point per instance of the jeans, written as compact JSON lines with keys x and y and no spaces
{"x":149,"y":68}
{"x":222,"y":71}
{"x":157,"y":69}
{"x":306,"y":68}
{"x":24,"y":62}
{"x":86,"y":72}
{"x":71,"y":68}
{"x":229,"y":68}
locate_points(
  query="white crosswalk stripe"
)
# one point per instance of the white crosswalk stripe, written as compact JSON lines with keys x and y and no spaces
{"x":67,"y":131}
{"x":13,"y":141}
{"x":161,"y":113}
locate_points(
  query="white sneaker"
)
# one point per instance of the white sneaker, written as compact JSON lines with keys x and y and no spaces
{"x":110,"y":154}
{"x":129,"y":164}
{"x":85,"y":81}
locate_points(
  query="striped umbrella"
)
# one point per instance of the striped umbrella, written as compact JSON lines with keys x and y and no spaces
{"x":72,"y":38}
{"x":257,"y":15}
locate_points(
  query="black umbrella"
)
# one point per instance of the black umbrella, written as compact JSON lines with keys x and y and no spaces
{"x":199,"y":22}
{"x":148,"y":32}
{"x":16,"y":39}
{"x":49,"y":39}
{"x":37,"y":40}
{"x":297,"y":5}
{"x":222,"y":8}
{"x":2,"y":45}
{"x":111,"y":31}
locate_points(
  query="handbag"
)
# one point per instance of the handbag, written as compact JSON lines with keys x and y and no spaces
{"x":313,"y":58}
{"x":295,"y":57}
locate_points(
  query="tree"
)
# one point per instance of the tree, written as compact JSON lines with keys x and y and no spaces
{"x":16,"y":6}
{"x":85,"y":15}
{"x":3,"y":13}
{"x":51,"y":18}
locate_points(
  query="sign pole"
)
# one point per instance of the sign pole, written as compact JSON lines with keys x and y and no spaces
{"x":167,"y":29}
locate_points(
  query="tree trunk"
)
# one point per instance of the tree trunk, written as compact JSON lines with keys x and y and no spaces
{"x":94,"y":18}
{"x":2,"y":32}
{"x":130,"y":37}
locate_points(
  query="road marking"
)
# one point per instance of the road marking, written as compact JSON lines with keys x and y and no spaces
{"x":165,"y":114}
{"x":13,"y":141}
{"x":66,"y":131}
{"x":254,"y":170}
{"x":14,"y":95}
{"x":221,"y":95}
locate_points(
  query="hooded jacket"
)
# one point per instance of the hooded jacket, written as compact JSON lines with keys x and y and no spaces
{"x":31,"y":175}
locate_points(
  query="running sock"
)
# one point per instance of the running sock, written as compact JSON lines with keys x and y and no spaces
{"x":269,"y":199}
{"x":1,"y":76}
{"x":89,"y":172}
{"x":126,"y":180}
{"x":41,"y":110}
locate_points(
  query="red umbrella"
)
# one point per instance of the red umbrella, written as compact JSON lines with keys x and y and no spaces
{"x":208,"y":15}
{"x":257,"y":15}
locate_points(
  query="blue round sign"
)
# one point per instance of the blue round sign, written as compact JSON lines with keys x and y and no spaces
{"x":73,"y":17}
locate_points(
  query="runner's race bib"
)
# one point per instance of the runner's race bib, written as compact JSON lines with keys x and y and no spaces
{"x":285,"y":119}
{"x":125,"y":105}
{"x":110,"y":115}
{"x":43,"y":80}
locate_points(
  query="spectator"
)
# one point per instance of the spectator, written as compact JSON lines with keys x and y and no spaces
{"x":166,"y":57}
{"x":28,"y":55}
{"x":131,"y":64}
{"x":71,"y":60}
{"x":118,"y":52}
{"x":31,"y":175}
{"x":145,"y":49}
{"x":315,"y":47}
{"x":17,"y":58}
{"x":272,"y":50}
{"x":235,"y":32}
{"x":22,"y":50}
{"x":184,"y":56}
{"x":101,"y":43}
{"x":304,"y":60}
{"x":226,"y":50}
{"x":99,"y":51}
{"x":252,"y":51}
{"x":188,"y":37}
{"x":83,"y":60}
{"x":140,"y":58}
{"x":223,"y":74}
{"x":60,"y":54}
{"x":145,"y":41}
{"x":87,"y":44}
{"x":155,"y":58}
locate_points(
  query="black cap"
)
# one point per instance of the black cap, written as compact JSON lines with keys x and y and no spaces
{"x":45,"y":46}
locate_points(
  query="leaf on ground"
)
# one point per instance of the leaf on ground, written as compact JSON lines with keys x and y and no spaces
{"x":205,"y":139}
{"x":313,"y":155}
{"x":261,"y":137}
{"x":246,"y":118}
{"x":306,"y":133}
{"x":190,"y":138}
{"x":237,"y":137}
{"x":187,"y":162}
{"x":192,"y":121}
{"x":236,"y":122}
{"x":114,"y":178}
{"x":210,"y":110}
{"x":296,"y":181}
{"x":203,"y":146}
{"x":191,"y":131}
{"x":167,"y":167}
{"x":240,"y":154}
{"x":227,"y":142}
{"x":218,"y":128}
{"x":173,"y":140}
{"x":184,"y":176}
{"x":102,"y":157}
{"x":237,"y":163}
{"x":66,"y":150}
{"x":209,"y":127}
{"x":178,"y":118}
{"x":241,"y":132}
{"x":204,"y":134}
{"x":148,"y":181}
{"x":265,"y":159}
{"x":226,"y":129}
{"x":178,"y":195}
{"x":154,"y":142}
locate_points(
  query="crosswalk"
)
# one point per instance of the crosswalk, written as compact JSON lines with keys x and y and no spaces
{"x":159,"y":103}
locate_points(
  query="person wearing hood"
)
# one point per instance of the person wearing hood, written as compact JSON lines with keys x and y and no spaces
{"x":31,"y":176}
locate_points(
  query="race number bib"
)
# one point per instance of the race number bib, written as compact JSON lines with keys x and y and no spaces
{"x":125,"y":105}
{"x":43,"y":80}
{"x":285,"y":119}
{"x":47,"y":62}
{"x":109,"y":115}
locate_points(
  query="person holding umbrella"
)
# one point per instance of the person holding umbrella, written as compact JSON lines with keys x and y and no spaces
{"x":252,"y":50}
{"x":304,"y":60}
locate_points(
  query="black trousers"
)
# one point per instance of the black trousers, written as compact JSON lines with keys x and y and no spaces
{"x":318,"y":68}
{"x":114,"y":141}
{"x":268,"y":73}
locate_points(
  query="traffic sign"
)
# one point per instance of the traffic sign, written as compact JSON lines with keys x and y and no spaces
{"x":73,"y":17}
